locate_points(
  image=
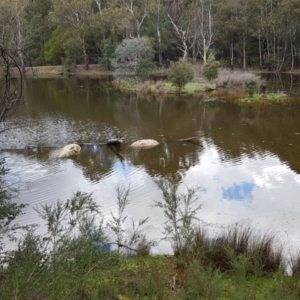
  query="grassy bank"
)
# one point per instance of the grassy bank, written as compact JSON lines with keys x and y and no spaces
{"x":264,"y":97}
{"x":100,"y":276}
{"x":62,"y":71}
{"x":162,"y":87}
{"x":80,"y":271}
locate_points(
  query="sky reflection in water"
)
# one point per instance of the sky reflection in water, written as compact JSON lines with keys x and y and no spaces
{"x":239,"y":191}
{"x":250,"y":188}
{"x":260,"y":190}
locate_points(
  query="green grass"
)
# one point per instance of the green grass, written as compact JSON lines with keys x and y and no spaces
{"x":159,"y":87}
{"x":259,"y":97}
{"x":80,"y":271}
{"x":156,"y":277}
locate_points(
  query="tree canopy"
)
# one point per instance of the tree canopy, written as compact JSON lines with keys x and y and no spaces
{"x":242,"y":33}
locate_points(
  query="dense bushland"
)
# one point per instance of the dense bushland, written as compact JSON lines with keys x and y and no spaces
{"x":241,"y":34}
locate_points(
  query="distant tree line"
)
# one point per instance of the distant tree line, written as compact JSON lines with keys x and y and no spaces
{"x":240,"y":33}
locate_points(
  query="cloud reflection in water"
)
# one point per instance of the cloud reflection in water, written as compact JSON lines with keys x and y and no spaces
{"x":239,"y":192}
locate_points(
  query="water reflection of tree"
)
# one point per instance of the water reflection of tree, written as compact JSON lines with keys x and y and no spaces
{"x":167,"y":158}
{"x":95,"y":162}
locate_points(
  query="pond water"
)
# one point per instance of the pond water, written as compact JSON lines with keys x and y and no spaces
{"x":246,"y":166}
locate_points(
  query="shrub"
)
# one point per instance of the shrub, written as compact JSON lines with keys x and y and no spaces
{"x":236,"y":79}
{"x":180,"y":74}
{"x":133,"y":57}
{"x":239,"y":251}
{"x":181,"y":212}
{"x":202,"y":283}
{"x":251,"y":87}
{"x":145,"y":68}
{"x":210,"y":69}
{"x":107,"y":51}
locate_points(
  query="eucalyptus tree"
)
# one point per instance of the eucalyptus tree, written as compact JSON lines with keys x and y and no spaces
{"x":11,"y":95}
{"x":289,"y":17}
{"x":137,"y":11}
{"x":133,"y":57}
{"x":236,"y":20}
{"x":205,"y":27}
{"x":15,"y":31}
{"x":179,"y":13}
{"x":74,"y":17}
{"x":157,"y":19}
{"x":36,"y":15}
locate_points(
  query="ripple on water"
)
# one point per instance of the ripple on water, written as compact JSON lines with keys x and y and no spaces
{"x":56,"y":131}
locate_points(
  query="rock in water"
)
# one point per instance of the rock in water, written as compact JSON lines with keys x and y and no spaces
{"x":70,"y":151}
{"x":144,"y":144}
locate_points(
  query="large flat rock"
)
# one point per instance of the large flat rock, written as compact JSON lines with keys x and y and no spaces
{"x":67,"y":151}
{"x":144,"y":144}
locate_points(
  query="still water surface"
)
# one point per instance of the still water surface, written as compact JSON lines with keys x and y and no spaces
{"x":246,"y":166}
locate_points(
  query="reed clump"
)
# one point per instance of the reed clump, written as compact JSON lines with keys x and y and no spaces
{"x":239,"y":247}
{"x":236,"y":79}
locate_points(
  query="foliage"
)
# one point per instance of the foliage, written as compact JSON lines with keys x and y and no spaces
{"x":36,"y":15}
{"x":210,"y":69}
{"x":9,"y":209}
{"x":161,"y":87}
{"x":133,"y":57}
{"x":251,"y":87}
{"x":180,"y":211}
{"x":63,"y":219}
{"x":176,"y":28}
{"x":81,"y":271}
{"x":145,"y":69}
{"x":239,"y":251}
{"x":236,"y":265}
{"x":264,"y":97}
{"x":11,"y":90}
{"x":107,"y":53}
{"x":53,"y":48}
{"x":201,"y":282}
{"x":180,"y":74}
{"x":135,"y":241}
{"x":236,"y":78}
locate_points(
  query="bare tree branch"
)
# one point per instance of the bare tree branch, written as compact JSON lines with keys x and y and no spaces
{"x":12,"y":85}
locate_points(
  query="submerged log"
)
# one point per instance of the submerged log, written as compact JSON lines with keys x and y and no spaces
{"x":114,"y":142}
{"x":193,"y":140}
{"x":116,"y":149}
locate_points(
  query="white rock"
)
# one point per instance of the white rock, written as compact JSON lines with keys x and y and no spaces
{"x":67,"y":151}
{"x":144,"y":144}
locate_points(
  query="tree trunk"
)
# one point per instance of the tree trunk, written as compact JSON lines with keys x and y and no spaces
{"x":204,"y":52}
{"x":244,"y":53}
{"x":185,"y":52}
{"x":22,"y":63}
{"x":231,"y":55}
{"x":159,"y":45}
{"x":260,"y":56}
{"x":292,"y":56}
{"x":283,"y":57}
{"x":85,"y":59}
